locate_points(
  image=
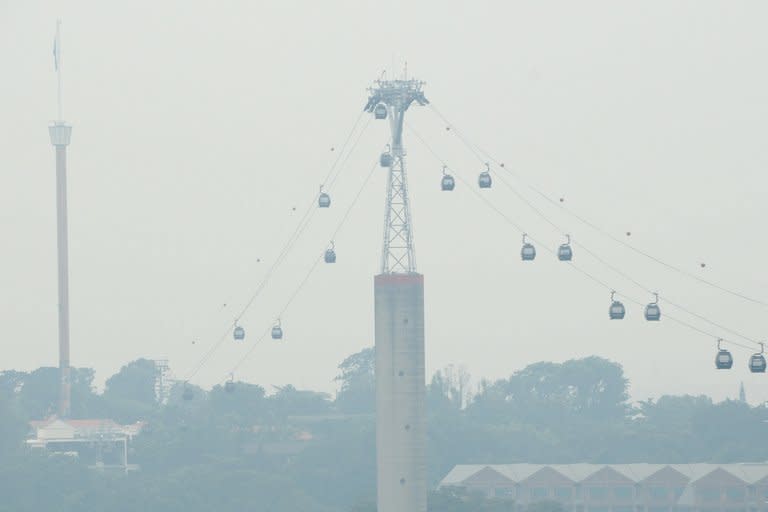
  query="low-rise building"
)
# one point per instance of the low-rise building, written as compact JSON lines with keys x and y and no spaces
{"x":101,"y":441}
{"x":621,"y":487}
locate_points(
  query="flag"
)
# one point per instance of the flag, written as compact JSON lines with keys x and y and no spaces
{"x":57,"y":47}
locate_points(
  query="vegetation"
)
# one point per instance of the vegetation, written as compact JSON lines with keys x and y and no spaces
{"x":302,"y":450}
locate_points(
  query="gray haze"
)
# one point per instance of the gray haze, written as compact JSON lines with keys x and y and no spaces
{"x":199,"y":126}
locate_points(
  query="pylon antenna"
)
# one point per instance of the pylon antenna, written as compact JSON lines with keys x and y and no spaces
{"x":396,"y":96}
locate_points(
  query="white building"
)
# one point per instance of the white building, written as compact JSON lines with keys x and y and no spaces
{"x":102,"y":440}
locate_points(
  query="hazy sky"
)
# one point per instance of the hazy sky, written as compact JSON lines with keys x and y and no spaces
{"x":198,"y":126}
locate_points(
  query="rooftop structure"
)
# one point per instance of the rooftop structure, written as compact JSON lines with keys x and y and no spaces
{"x":621,"y":487}
{"x":103,"y":442}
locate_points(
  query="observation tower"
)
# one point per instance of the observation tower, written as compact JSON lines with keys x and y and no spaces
{"x":60,"y":134}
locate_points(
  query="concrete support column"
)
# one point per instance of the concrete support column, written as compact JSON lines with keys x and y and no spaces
{"x":401,"y":433}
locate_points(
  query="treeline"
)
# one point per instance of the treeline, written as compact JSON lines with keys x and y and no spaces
{"x":296,"y":449}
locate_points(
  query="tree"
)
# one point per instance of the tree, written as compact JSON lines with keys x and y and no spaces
{"x":244,"y":405}
{"x":289,"y":401}
{"x":135,"y":382}
{"x":449,"y":388}
{"x":39,"y":393}
{"x":131,"y":392}
{"x":358,"y":382}
{"x":590,"y":389}
{"x":12,"y":426}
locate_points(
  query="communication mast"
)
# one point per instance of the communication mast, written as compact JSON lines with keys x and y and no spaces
{"x":401,"y":431}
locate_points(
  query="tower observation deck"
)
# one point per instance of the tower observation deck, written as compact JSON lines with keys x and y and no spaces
{"x":399,"y":324}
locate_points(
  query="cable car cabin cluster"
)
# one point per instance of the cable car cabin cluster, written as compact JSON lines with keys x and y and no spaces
{"x":448,"y":183}
{"x":616,"y":310}
{"x":528,"y":251}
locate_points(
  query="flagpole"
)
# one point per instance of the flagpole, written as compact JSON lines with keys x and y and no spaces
{"x":57,"y":47}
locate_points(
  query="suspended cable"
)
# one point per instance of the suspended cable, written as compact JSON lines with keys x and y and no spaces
{"x":479,"y":152}
{"x":517,"y":226}
{"x":300,"y":228}
{"x":349,"y":153}
{"x":338,"y":228}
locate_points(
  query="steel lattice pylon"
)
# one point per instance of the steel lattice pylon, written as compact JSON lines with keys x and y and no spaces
{"x":398,"y":255}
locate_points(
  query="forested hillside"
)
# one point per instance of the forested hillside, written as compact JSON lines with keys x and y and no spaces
{"x":289,"y":449}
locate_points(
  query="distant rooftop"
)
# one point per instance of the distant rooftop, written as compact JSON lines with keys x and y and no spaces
{"x":748,"y":473}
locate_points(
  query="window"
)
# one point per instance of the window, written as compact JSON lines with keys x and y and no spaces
{"x":598,"y":493}
{"x":563,"y":493}
{"x":709,"y":494}
{"x":539,"y":492}
{"x":658,"y":493}
{"x":622,"y":493}
{"x":623,"y":509}
{"x":658,"y":509}
{"x":504,"y":492}
{"x":735,"y":493}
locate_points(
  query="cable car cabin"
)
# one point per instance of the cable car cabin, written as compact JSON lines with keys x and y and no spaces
{"x":187,"y":394}
{"x":277,"y":333}
{"x":565,"y":253}
{"x":723,"y":360}
{"x":528,"y":252}
{"x":229,"y":386}
{"x":617,"y":311}
{"x":484,"y":180}
{"x":238,"y":333}
{"x":324,"y":200}
{"x":385,"y":160}
{"x":447,"y":183}
{"x":757,"y":363}
{"x":380,"y":112}
{"x":652,"y":312}
{"x":330,"y":256}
